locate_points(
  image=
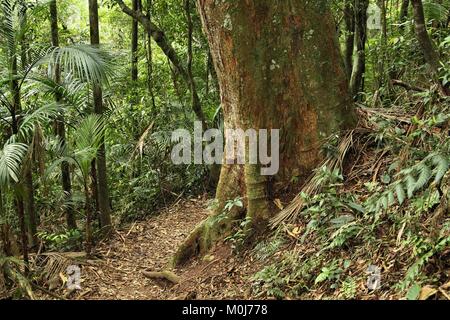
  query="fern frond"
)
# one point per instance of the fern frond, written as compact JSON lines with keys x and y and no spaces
{"x":410,"y":186}
{"x":424,"y":176}
{"x":441,"y":166}
{"x":400,"y":193}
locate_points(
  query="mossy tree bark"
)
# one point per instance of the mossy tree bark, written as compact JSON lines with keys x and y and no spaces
{"x":279,"y":67}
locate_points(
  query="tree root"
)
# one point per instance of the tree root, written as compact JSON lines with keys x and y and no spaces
{"x":166,"y":274}
{"x":198,"y":242}
{"x":202,"y":238}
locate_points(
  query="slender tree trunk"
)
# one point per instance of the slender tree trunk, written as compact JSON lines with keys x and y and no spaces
{"x":177,"y":88}
{"x":88,"y":212}
{"x":134,"y":43}
{"x":382,"y":5}
{"x":23,"y":228}
{"x":150,"y":71}
{"x":60,"y":125}
{"x":30,"y":208}
{"x":15,"y":109}
{"x":29,"y":205}
{"x":150,"y":56}
{"x":279,"y":67}
{"x":103,"y":192}
{"x":382,"y":76}
{"x":429,"y":50}
{"x":192,"y":85}
{"x":94,"y":193}
{"x":359,"y":66}
{"x":349,"y":18}
{"x":403,"y":12}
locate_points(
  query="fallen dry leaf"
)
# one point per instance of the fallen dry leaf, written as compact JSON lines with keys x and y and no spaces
{"x":426,"y":292}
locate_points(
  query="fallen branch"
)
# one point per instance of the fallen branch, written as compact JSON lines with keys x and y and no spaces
{"x":407,"y":86}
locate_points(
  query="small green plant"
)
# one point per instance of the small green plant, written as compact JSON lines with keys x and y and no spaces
{"x":69,"y":240}
{"x":270,"y":281}
{"x":413,"y":292}
{"x":230,"y":204}
{"x":424,"y":249}
{"x":411,"y":180}
{"x":266,"y":249}
{"x":348,"y":288}
{"x":332,"y":272}
{"x":237,"y":239}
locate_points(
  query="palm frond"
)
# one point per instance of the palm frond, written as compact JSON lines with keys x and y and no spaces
{"x":56,"y":164}
{"x":313,"y":185}
{"x":40,"y":115}
{"x":10,"y":162}
{"x":435,"y":11}
{"x":7,"y":25}
{"x":86,"y":62}
{"x":90,"y":132}
{"x":87,"y":140}
{"x":72,"y":91}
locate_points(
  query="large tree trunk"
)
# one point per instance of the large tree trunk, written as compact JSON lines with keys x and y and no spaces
{"x":279,"y":67}
{"x":102,"y":182}
{"x":60,"y":125}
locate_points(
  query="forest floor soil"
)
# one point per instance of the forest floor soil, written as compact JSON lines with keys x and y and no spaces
{"x":148,"y":245}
